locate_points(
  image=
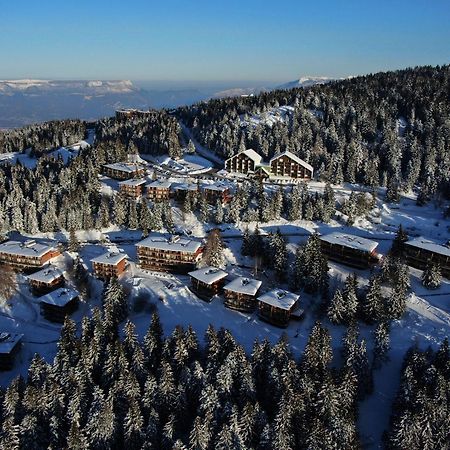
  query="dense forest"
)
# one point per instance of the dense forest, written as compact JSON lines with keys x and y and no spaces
{"x":107,"y":392}
{"x":41,"y":138}
{"x":388,"y":128}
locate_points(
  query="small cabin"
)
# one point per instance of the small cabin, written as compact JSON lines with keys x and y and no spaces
{"x":45,"y":280}
{"x":10,"y":344}
{"x":207,"y":282}
{"x":277,"y":306}
{"x":110,"y":264}
{"x":158,"y":190}
{"x":169,"y":253}
{"x":353,"y":251}
{"x":240,"y":294}
{"x":58,"y":304}
{"x":132,"y":188}
{"x":420,"y":251}
{"x":124,"y":170}
{"x":26,"y":255}
{"x":216,"y":191}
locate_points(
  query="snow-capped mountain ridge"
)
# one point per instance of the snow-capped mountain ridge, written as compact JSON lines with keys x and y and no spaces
{"x":306,"y":81}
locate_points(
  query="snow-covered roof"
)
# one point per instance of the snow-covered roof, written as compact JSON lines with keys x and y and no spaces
{"x":249,"y":153}
{"x":243,"y":285}
{"x":133,"y":182}
{"x":431,"y":246}
{"x":174,"y":243}
{"x":112,"y":258}
{"x":208,"y":274}
{"x":59,"y":297}
{"x":349,"y":240}
{"x":8,"y":341}
{"x":46,"y":275}
{"x":160,"y":184}
{"x":29,"y":248}
{"x":294,"y":158}
{"x":215,"y":187}
{"x":279,"y":298}
{"x":186,"y":187}
{"x":124,"y":166}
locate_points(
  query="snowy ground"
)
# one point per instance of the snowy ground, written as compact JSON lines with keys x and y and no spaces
{"x":426,"y":322}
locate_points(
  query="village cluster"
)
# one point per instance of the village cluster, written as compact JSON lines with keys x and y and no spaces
{"x":183,"y":254}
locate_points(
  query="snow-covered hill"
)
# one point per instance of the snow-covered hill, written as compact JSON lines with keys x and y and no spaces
{"x":307,"y":81}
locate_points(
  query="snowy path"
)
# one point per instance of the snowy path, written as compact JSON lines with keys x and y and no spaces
{"x":208,"y":154}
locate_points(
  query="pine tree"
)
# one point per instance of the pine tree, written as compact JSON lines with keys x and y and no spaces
{"x":115,"y":302}
{"x":246,"y":243}
{"x":145,"y":217}
{"x":336,"y":310}
{"x":382,"y":343}
{"x":398,"y":243}
{"x":219,"y":214}
{"x":278,"y":254}
{"x":213,"y":253}
{"x":372,"y":304}
{"x":431,"y":276}
{"x":133,"y":221}
{"x":204,"y":209}
{"x":74,"y":245}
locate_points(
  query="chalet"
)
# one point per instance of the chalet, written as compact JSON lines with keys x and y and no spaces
{"x":132,"y":188}
{"x":173,"y":254}
{"x":420,"y":251}
{"x":287,"y":164}
{"x":277,"y":306}
{"x":240,"y":294}
{"x":243,"y":162}
{"x":45,"y":280}
{"x":58,"y":304}
{"x":26,"y":255}
{"x":110,"y":264}
{"x":158,"y":190}
{"x":181,"y":190}
{"x":216,"y":191}
{"x":207,"y":282}
{"x":351,"y":250}
{"x":10,"y":344}
{"x":124,"y":170}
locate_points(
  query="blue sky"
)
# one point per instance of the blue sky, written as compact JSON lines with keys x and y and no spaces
{"x":228,"y":40}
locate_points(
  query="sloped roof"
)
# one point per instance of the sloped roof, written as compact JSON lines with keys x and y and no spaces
{"x":132,"y":182}
{"x":349,"y":240}
{"x":208,"y":274}
{"x":112,"y":258}
{"x":59,"y":297}
{"x":8,"y":341}
{"x":27,"y":248}
{"x":431,"y":246}
{"x":294,"y":158}
{"x":279,"y":298}
{"x":46,"y":275}
{"x":173,"y":244}
{"x":251,"y":154}
{"x":244,"y":285}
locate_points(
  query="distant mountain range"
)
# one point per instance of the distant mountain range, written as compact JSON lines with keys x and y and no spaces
{"x":29,"y":101}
